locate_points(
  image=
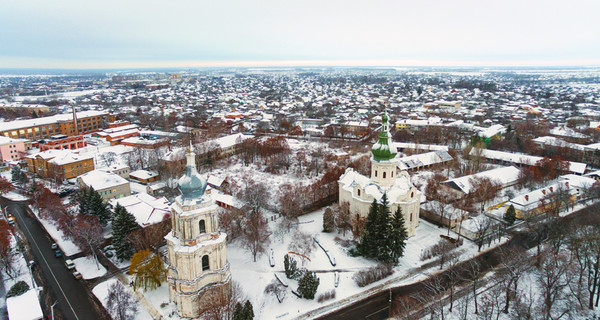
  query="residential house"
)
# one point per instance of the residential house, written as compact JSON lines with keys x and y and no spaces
{"x":146,"y":209}
{"x":109,"y":185}
{"x":144,"y":176}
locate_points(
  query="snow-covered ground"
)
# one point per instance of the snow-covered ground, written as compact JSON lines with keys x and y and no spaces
{"x":89,"y":268}
{"x":253,"y":277}
{"x":67,"y":246}
{"x":20,"y":272}
{"x":529,"y":288}
{"x":101,"y":292}
{"x":137,"y":187}
{"x":14,"y":196}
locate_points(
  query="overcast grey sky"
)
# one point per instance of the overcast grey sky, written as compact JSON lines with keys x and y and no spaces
{"x":177,"y":33}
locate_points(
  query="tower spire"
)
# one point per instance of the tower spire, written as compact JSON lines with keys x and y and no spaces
{"x":384,"y":149}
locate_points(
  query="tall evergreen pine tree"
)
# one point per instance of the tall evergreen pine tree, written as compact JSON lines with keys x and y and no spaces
{"x":385,"y":232}
{"x":122,"y":224}
{"x":399,"y":235}
{"x":510,"y":215}
{"x":368,"y":244}
{"x":92,"y":203}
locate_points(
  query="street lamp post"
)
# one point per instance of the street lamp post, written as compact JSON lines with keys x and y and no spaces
{"x":52,"y":309}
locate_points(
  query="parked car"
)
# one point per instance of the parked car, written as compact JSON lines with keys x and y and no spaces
{"x":11,"y":220}
{"x":58,"y":253}
{"x":77,"y":275}
{"x":54,"y":246}
{"x":65,"y":193}
{"x":69,"y":263}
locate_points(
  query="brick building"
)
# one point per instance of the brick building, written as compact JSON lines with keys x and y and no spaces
{"x":61,"y":141}
{"x":63,"y":164}
{"x":45,"y":127}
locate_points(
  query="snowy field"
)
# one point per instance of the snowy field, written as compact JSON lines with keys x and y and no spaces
{"x":89,"y":268}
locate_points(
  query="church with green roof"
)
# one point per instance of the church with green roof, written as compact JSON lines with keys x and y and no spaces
{"x":359,"y":191}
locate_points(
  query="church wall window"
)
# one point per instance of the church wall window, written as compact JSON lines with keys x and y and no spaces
{"x":205,"y":264}
{"x":375,"y":173}
{"x":359,"y":192}
{"x":202,"y":225}
{"x":392,"y":174}
{"x":384,"y":174}
{"x":412,"y":194}
{"x":411,"y":217}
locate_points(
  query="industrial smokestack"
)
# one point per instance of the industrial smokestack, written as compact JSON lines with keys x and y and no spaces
{"x":75,"y":121}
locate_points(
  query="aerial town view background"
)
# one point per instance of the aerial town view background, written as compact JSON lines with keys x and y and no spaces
{"x":279,"y":160}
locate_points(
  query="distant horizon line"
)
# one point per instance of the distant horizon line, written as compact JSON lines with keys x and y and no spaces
{"x":82,"y":65}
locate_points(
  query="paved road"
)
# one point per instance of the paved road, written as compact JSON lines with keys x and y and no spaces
{"x":73,"y":300}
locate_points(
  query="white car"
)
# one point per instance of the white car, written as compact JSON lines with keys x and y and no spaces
{"x":70,"y":265}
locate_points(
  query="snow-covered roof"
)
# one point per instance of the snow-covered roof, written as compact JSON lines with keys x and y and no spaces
{"x":7,"y":140}
{"x":531,"y":200}
{"x":24,"y":307}
{"x":556,"y":142}
{"x":61,"y":157}
{"x":19,"y":124}
{"x":145,"y":208}
{"x":121,"y":133}
{"x":578,"y":181}
{"x":492,"y":131}
{"x":519,"y":158}
{"x":504,"y":175}
{"x":215,"y":181}
{"x":419,"y":146}
{"x":351,"y":179}
{"x":139,"y":140}
{"x":567,"y":132}
{"x":423,"y":159}
{"x":121,"y":128}
{"x":227,"y":199}
{"x":230,"y":140}
{"x":100,"y":180}
{"x":143,"y":174}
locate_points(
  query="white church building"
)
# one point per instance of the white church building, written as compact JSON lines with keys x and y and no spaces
{"x":197,"y":251}
{"x":360,"y":191}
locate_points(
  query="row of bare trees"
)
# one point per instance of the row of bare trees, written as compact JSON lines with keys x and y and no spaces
{"x":561,"y":281}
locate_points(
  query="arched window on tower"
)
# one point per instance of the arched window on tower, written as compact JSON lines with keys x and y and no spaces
{"x":384,"y":174}
{"x":375,"y":173}
{"x":205,"y":265}
{"x":202,"y":226}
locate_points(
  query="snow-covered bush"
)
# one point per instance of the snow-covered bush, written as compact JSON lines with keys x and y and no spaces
{"x":326,"y":296}
{"x":368,"y":276}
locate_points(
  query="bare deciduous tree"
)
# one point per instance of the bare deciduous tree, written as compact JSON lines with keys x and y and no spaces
{"x":220,"y":303}
{"x":119,"y":303}
{"x":256,"y":237}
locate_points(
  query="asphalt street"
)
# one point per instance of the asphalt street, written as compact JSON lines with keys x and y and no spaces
{"x":72,"y":296}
